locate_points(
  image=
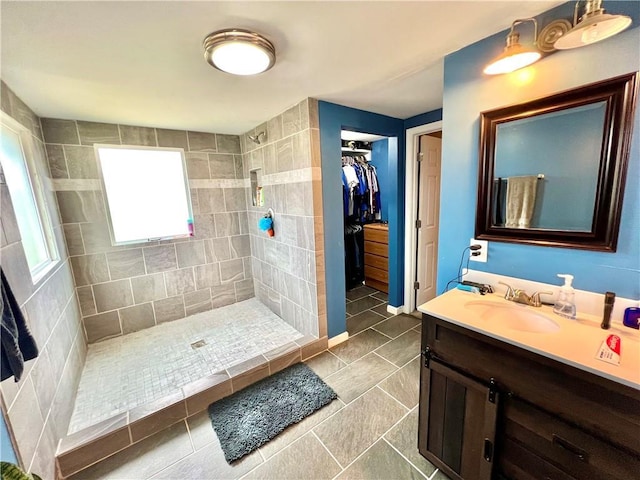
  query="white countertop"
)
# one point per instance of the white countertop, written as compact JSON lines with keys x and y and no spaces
{"x":575,"y":343}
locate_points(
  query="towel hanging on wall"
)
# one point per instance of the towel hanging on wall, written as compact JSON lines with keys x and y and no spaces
{"x":16,"y":345}
{"x":521,"y":200}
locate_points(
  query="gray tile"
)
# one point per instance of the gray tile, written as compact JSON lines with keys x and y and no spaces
{"x":239,"y":167}
{"x":101,"y":326}
{"x":240,"y":246}
{"x":25,"y":419}
{"x":202,"y":142}
{"x":360,"y":376}
{"x":228,"y":143}
{"x":404,"y":437}
{"x":207,"y":275}
{"x":284,"y":155}
{"x":291,"y":121}
{"x":96,"y":237}
{"x":172,"y":138}
{"x":210,"y":200}
{"x":90,"y":269}
{"x":359,"y":345}
{"x":231,"y":271}
{"x":197,"y":165}
{"x":235,"y":199}
{"x":222,"y":295}
{"x":244,"y":289}
{"x":125,"y":263}
{"x":382,"y":310}
{"x":362,"y":321}
{"x":302,"y":149}
{"x":204,"y":226}
{"x":227,"y":224}
{"x":295,"y":431}
{"x":81,"y":162}
{"x":57,"y":162}
{"x":169,"y":309}
{"x":160,"y":258}
{"x":217,"y":250}
{"x":382,"y":296}
{"x":190,"y":253}
{"x":148,"y":288}
{"x":201,"y":430}
{"x":198,"y":301}
{"x":94,"y":132}
{"x":357,"y":426}
{"x":325,"y":364}
{"x":179,"y":281}
{"x":113,"y":295}
{"x":360,"y":292}
{"x":404,"y":385}
{"x":80,"y":206}
{"x":397,"y":325}
{"x":318,"y":463}
{"x":402,"y":349}
{"x":137,"y":317}
{"x":270,"y":165}
{"x":362,"y":304}
{"x":294,"y":197}
{"x":145,"y":458}
{"x":132,"y":135}
{"x":380,"y":462}
{"x":59,"y":131}
{"x":73,"y":239}
{"x":87,"y":304}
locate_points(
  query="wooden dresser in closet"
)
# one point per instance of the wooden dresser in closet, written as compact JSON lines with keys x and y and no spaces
{"x":376,"y":256}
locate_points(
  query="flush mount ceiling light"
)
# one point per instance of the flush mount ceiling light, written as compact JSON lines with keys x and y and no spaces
{"x":239,"y":52}
{"x":595,"y":25}
{"x":515,"y":55}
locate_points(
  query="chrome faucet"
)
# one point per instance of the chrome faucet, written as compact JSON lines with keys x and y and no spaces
{"x":520,"y":296}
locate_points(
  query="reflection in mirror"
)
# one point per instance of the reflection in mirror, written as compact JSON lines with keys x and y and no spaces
{"x":546,"y":169}
{"x":552,"y":170}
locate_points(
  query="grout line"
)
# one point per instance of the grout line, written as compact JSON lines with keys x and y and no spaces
{"x":397,"y":401}
{"x":405,"y":458}
{"x":327,"y":449}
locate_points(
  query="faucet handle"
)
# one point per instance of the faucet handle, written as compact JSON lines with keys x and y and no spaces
{"x":510,"y":294}
{"x":535,"y":298}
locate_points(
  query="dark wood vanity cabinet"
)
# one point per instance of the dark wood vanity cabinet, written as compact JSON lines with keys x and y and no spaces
{"x":492,"y":410}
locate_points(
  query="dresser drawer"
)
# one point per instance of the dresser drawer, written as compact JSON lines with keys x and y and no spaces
{"x":376,"y":261}
{"x":376,"y":273}
{"x":380,"y":249}
{"x":567,"y":447}
{"x":378,"y":235}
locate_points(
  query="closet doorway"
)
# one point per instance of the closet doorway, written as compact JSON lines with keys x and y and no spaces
{"x":365,"y":163}
{"x":424,"y":155}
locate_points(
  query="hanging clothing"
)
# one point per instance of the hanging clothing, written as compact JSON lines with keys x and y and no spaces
{"x":17,"y":345}
{"x":361,"y":191}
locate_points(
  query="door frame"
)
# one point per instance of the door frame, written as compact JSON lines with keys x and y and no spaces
{"x":411,"y":209}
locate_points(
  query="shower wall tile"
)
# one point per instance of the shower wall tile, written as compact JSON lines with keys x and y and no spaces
{"x":228,"y":143}
{"x":96,"y":237}
{"x":231,"y":271}
{"x":274,"y":129}
{"x":191,"y":253}
{"x":126,"y":263}
{"x":148,"y":288}
{"x":207,"y":275}
{"x":132,"y":135}
{"x":210,"y":200}
{"x":172,"y":138}
{"x":202,"y":142}
{"x":113,"y":295}
{"x":94,"y":132}
{"x":227,"y":224}
{"x":222,"y":295}
{"x":235,"y":199}
{"x":60,"y":131}
{"x":137,"y":318}
{"x":284,"y":155}
{"x":90,"y":269}
{"x":217,"y":250}
{"x":197,"y":165}
{"x":57,"y":162}
{"x":169,"y":309}
{"x":73,"y":239}
{"x":244,"y":289}
{"x":240,"y":246}
{"x":198,"y":301}
{"x":291,"y":121}
{"x":81,"y":206}
{"x":87,"y":303}
{"x":102,"y":326}
{"x":160,"y":258}
{"x":179,"y":281}
{"x":81,"y":162}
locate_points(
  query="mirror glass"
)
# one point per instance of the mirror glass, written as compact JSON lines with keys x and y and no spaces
{"x":552,"y":170}
{"x":546,"y":169}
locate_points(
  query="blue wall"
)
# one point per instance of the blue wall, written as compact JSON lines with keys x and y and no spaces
{"x":333,"y":119}
{"x":380,"y":160}
{"x":467,"y":92}
{"x":423,"y":119}
{"x":6,"y":448}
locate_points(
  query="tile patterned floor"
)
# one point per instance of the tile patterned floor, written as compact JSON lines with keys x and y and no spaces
{"x":125,"y":372}
{"x":369,"y":432}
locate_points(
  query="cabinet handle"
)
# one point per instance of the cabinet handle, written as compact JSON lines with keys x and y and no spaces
{"x":570,"y":447}
{"x":488,"y":450}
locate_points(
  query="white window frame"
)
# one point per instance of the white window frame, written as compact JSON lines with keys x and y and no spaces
{"x":36,"y":184}
{"x":114,"y":242}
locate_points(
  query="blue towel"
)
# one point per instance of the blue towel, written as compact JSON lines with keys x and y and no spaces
{"x":17,"y":345}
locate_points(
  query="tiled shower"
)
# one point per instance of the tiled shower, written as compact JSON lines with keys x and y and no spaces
{"x":134,"y":293}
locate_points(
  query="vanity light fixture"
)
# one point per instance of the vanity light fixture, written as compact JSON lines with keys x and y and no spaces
{"x":515,"y":55}
{"x":239,"y":52}
{"x":594,"y":25}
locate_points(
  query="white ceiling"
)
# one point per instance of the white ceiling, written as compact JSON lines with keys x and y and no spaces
{"x":141,"y":63}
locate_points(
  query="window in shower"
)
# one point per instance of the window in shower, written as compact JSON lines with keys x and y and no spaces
{"x":147,"y":193}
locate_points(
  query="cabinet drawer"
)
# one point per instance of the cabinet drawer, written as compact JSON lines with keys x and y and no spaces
{"x":376,"y":273}
{"x":380,"y":249}
{"x":376,"y":235}
{"x":519,"y":463}
{"x":376,"y":261}
{"x":382,"y":286}
{"x":569,"y":448}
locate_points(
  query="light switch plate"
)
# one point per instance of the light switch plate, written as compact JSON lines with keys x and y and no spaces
{"x":483,"y":251}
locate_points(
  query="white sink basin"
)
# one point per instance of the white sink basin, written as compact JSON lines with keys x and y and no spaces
{"x":516,"y":317}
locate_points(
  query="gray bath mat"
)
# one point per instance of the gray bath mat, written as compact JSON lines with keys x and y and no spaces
{"x":256,"y":414}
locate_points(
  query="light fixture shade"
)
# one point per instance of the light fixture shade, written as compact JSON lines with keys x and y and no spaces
{"x":592,"y":29}
{"x":239,"y":52}
{"x":514,"y":57}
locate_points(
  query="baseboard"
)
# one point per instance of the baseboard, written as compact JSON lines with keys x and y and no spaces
{"x":338,"y":339}
{"x":395,"y":310}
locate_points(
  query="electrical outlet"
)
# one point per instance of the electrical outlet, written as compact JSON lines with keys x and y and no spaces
{"x":483,"y":250}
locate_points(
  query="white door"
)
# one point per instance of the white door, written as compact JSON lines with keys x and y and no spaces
{"x":428,"y":213}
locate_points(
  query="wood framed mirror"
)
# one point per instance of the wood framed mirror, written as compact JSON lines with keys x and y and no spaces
{"x":552,"y":171}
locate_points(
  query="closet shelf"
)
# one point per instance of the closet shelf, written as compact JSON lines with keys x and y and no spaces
{"x":357,"y":150}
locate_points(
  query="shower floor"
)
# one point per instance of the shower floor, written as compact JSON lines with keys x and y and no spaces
{"x":125,"y":372}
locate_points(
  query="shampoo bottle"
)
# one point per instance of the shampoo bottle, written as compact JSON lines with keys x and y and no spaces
{"x":566,"y":305}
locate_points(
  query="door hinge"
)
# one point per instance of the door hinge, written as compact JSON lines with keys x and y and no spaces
{"x":493,"y":389}
{"x":416,"y":285}
{"x":427,"y":355}
{"x":418,"y":223}
{"x":420,"y":156}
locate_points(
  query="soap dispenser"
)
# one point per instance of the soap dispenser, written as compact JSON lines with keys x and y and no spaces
{"x":566,"y":304}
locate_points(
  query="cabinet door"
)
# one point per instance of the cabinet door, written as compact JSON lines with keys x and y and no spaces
{"x":457,"y":422}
